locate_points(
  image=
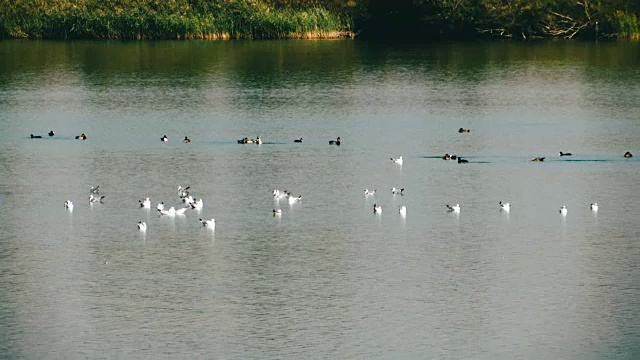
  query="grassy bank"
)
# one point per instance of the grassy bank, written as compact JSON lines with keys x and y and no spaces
{"x":180,"y":19}
{"x":413,"y":20}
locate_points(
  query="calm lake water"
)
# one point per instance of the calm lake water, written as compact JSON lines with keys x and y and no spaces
{"x":328,"y":278}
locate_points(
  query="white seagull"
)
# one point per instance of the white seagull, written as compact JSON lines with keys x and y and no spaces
{"x":279,"y":194}
{"x":183,"y":192}
{"x":398,"y":161}
{"x":142,"y":226}
{"x":170,"y":212}
{"x":277,"y":212}
{"x":594,"y":207}
{"x":188,"y":199}
{"x":377,"y":209}
{"x":293,"y":199}
{"x":68,"y":205}
{"x":160,"y":206}
{"x":402,"y":210}
{"x":395,"y":191}
{"x":368,"y":192}
{"x":146,"y":203}
{"x":505,"y":206}
{"x":95,"y":198}
{"x":209,"y":223}
{"x":455,"y":208}
{"x":197,"y":205}
{"x":563,"y":210}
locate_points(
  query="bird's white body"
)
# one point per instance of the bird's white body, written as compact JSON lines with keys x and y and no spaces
{"x":68,"y":205}
{"x":188,"y":199}
{"x":95,"y":198}
{"x":170,"y":212}
{"x":211,"y":224}
{"x":197,"y":205}
{"x":146,"y":203}
{"x":594,"y":207}
{"x":377,"y":209}
{"x":402,"y":210}
{"x":142,"y":226}
{"x":563,"y":210}
{"x":293,"y":200}
{"x":398,"y":161}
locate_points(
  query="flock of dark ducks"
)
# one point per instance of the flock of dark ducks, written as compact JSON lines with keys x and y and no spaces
{"x":51,"y":134}
{"x":336,"y":142}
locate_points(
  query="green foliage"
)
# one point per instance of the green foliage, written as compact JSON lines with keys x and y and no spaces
{"x":627,"y":25}
{"x":159,"y":19}
{"x":523,"y":19}
{"x":269,"y":19}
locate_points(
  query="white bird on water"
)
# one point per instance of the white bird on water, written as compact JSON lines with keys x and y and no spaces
{"x":142,"y":226}
{"x":146,"y":203}
{"x":505,"y":206}
{"x":377,"y":209}
{"x":398,"y":161}
{"x":402,"y":210}
{"x":395,"y":191}
{"x":160,"y":206}
{"x":170,"y":212}
{"x":368,"y":192}
{"x":293,"y":200}
{"x":563,"y":210}
{"x":197,"y":205}
{"x":594,"y":207}
{"x":209,"y":223}
{"x":95,"y":198}
{"x":455,"y":208}
{"x":68,"y":205}
{"x":188,"y":199}
{"x":277,"y":212}
{"x":183,"y":192}
{"x":279,"y":194}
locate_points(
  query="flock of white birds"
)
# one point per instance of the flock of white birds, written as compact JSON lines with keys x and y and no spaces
{"x":190,"y":203}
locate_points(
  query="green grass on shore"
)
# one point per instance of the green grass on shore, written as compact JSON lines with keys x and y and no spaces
{"x":141,"y":20}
